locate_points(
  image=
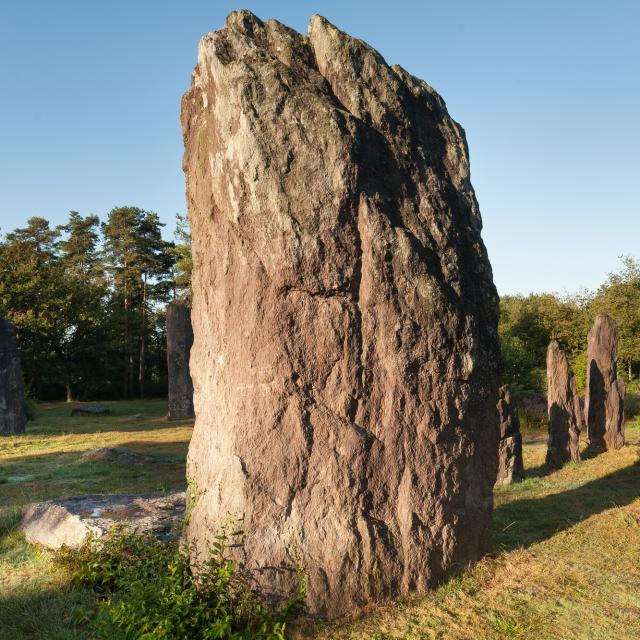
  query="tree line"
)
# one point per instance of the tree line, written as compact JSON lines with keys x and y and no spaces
{"x":529,"y":323}
{"x":87,"y":299}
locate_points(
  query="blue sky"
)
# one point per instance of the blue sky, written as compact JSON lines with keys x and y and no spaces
{"x":547,"y":91}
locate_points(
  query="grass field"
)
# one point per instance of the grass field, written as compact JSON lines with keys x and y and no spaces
{"x":567,"y":544}
{"x":34,"y":599}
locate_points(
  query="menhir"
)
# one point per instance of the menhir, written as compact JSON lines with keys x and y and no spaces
{"x":346,"y":351}
{"x":510,"y":463}
{"x":13,"y":416}
{"x":179,"y":343}
{"x":564,"y":409}
{"x":605,"y":391}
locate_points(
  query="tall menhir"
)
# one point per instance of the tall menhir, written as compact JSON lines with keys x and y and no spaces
{"x":13,"y":416}
{"x":605,"y":391}
{"x":179,"y":343}
{"x":346,"y":351}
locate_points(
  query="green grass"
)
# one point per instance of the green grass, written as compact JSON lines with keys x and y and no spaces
{"x":567,"y":544}
{"x":35,"y":598}
{"x":566,"y":563}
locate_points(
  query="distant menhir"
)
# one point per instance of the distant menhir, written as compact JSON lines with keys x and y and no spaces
{"x":605,"y":391}
{"x":564,"y":409}
{"x":13,"y":416}
{"x":179,"y":342}
{"x":510,"y":462}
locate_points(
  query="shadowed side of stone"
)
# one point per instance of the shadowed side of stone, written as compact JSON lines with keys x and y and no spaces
{"x":179,"y":343}
{"x":68,"y":522}
{"x":346,"y":353}
{"x":13,"y":416}
{"x":605,"y":392}
{"x":564,"y":409}
{"x":510,"y":463}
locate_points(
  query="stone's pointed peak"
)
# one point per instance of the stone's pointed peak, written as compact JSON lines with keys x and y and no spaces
{"x":243,"y":21}
{"x":321,"y":31}
{"x":318,"y":22}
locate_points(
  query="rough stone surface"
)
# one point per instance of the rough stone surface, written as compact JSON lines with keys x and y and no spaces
{"x":510,"y":464}
{"x":564,"y":409}
{"x":13,"y":416}
{"x":90,"y":410}
{"x":346,"y":354}
{"x":68,"y":522}
{"x":179,"y":342}
{"x":605,"y":397}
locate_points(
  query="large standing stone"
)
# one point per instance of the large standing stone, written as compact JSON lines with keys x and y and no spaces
{"x":564,"y":409}
{"x":13,"y":416}
{"x":346,"y":352}
{"x":605,"y":396}
{"x":510,"y":463}
{"x":179,"y":343}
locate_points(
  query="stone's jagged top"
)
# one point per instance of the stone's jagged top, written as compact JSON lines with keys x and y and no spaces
{"x":564,"y":409}
{"x":346,"y":355}
{"x":243,"y":19}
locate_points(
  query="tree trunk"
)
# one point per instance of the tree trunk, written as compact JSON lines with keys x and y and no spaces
{"x":127,"y":338}
{"x":629,"y":370}
{"x":143,"y":330}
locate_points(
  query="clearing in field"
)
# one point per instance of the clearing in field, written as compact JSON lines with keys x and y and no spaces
{"x":567,"y":544}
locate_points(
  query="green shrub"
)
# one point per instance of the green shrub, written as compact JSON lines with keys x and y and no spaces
{"x":31,"y":408}
{"x":146,"y":590}
{"x":632,"y":405}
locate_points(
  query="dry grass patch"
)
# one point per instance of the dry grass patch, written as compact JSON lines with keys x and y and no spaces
{"x":566,"y":567}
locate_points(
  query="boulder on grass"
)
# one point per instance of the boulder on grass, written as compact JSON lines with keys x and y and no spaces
{"x":68,"y":522}
{"x":90,"y":410}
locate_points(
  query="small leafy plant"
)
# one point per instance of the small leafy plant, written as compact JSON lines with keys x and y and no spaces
{"x":146,"y":590}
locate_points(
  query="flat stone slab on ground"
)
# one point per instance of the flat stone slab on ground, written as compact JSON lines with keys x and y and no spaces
{"x":119,"y":455}
{"x":55,"y":523}
{"x":91,"y":410}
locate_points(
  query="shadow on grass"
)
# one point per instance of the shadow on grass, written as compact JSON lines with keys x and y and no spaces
{"x":540,"y":471}
{"x":98,"y":424}
{"x":55,"y":475}
{"x":521,"y":523}
{"x":43,"y":614}
{"x":126,"y":416}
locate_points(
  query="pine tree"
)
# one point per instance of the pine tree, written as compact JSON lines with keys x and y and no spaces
{"x":85,"y":342}
{"x":33,"y":292}
{"x":135,"y":257}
